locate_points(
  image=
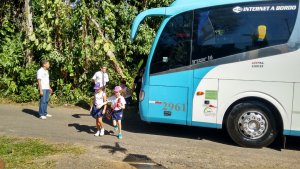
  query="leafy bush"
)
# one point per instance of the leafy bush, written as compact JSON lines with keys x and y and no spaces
{"x":75,"y":37}
{"x":27,"y":94}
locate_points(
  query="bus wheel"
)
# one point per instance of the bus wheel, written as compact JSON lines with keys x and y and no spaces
{"x":251,"y":124}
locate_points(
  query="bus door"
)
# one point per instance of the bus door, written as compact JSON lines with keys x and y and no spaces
{"x":170,"y":77}
{"x":168,"y":97}
{"x":205,"y":98}
{"x":205,"y":101}
{"x":295,"y":129}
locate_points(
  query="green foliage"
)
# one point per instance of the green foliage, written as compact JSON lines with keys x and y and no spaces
{"x":20,"y":153}
{"x":27,"y":94}
{"x":75,"y":38}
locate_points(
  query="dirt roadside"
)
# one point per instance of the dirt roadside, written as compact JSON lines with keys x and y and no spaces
{"x":144,"y":145}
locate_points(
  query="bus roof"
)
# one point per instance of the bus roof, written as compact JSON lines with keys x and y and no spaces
{"x":180,"y":6}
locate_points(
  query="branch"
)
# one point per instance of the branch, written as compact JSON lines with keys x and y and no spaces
{"x":110,"y":53}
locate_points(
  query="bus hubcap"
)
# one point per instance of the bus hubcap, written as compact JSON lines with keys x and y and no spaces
{"x":253,"y":125}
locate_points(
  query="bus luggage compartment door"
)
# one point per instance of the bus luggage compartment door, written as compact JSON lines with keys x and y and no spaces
{"x":168,"y":104}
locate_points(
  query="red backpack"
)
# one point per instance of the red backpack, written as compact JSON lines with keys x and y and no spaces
{"x":110,"y":110}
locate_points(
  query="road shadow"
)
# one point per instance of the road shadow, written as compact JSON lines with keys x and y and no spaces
{"x":114,"y":149}
{"x":142,"y":161}
{"x":132,"y":123}
{"x":292,"y":143}
{"x":83,"y":128}
{"x":135,"y":160}
{"x":80,"y":115}
{"x":83,"y":104}
{"x":89,"y":129}
{"x":31,"y":112}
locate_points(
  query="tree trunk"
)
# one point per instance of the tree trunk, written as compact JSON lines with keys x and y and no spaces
{"x":110,"y":54}
{"x":28,"y":28}
{"x":113,"y":58}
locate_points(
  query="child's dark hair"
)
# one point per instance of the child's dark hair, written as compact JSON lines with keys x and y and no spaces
{"x":123,"y":81}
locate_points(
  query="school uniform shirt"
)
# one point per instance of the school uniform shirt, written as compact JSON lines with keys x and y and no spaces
{"x":43,"y":75}
{"x":99,"y":98}
{"x":114,"y":100}
{"x":101,"y":78}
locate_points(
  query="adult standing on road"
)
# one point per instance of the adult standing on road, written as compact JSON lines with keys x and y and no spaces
{"x":44,"y":88}
{"x":101,"y":77}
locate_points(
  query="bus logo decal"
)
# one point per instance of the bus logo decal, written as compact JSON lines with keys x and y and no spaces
{"x":237,"y":9}
{"x":155,"y":102}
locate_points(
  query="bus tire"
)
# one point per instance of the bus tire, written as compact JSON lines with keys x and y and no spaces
{"x":251,"y":124}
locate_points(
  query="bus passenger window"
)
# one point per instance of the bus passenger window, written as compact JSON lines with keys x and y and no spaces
{"x":221,"y":31}
{"x":173,"y":48}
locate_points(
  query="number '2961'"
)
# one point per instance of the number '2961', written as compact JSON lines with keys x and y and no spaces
{"x":177,"y":107}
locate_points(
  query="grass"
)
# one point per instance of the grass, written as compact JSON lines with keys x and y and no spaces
{"x":22,"y":153}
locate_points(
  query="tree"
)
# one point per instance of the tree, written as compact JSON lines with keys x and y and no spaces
{"x":77,"y":37}
{"x":28,"y":27}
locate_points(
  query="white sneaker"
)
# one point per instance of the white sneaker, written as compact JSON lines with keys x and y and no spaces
{"x":43,"y":117}
{"x":102,"y":132}
{"x":97,"y":134}
{"x":48,"y":115}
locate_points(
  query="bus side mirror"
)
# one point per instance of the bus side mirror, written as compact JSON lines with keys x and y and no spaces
{"x":262,"y":32}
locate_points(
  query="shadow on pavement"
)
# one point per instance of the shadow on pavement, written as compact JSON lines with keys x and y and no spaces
{"x":132,"y":123}
{"x":135,"y":160}
{"x":142,"y":161}
{"x":79,"y":115}
{"x":83,"y":104}
{"x":31,"y":112}
{"x":114,"y":149}
{"x":83,"y":128}
{"x":292,"y":143}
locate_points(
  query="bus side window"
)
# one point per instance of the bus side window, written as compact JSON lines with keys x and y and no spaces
{"x":239,"y":32}
{"x":173,"y":48}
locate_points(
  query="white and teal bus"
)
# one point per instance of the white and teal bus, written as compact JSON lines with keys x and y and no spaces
{"x":231,"y":64}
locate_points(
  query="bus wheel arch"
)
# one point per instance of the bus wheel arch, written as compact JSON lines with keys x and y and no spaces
{"x":263,"y":110}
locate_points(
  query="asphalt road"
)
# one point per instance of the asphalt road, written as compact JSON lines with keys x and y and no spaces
{"x":144,"y":145}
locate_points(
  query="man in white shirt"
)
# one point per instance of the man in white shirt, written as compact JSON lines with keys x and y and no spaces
{"x":101,"y":77}
{"x":44,"y":88}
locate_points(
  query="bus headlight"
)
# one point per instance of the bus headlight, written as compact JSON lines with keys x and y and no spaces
{"x":142,"y":95}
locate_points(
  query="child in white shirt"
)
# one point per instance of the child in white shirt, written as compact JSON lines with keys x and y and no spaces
{"x":98,"y":108}
{"x":117,"y":104}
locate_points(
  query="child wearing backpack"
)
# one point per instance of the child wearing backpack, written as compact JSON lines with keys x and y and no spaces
{"x":98,"y":108}
{"x":118,"y":105}
{"x":126,"y":92}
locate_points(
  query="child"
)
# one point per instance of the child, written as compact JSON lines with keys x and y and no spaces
{"x":117,"y":104}
{"x":98,"y":108}
{"x":126,"y":91}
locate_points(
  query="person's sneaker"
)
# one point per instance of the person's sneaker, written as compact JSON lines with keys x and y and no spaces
{"x":48,"y":115}
{"x":97,"y":134}
{"x":116,"y":128}
{"x":102,"y":132}
{"x":120,"y":136}
{"x":43,"y":117}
